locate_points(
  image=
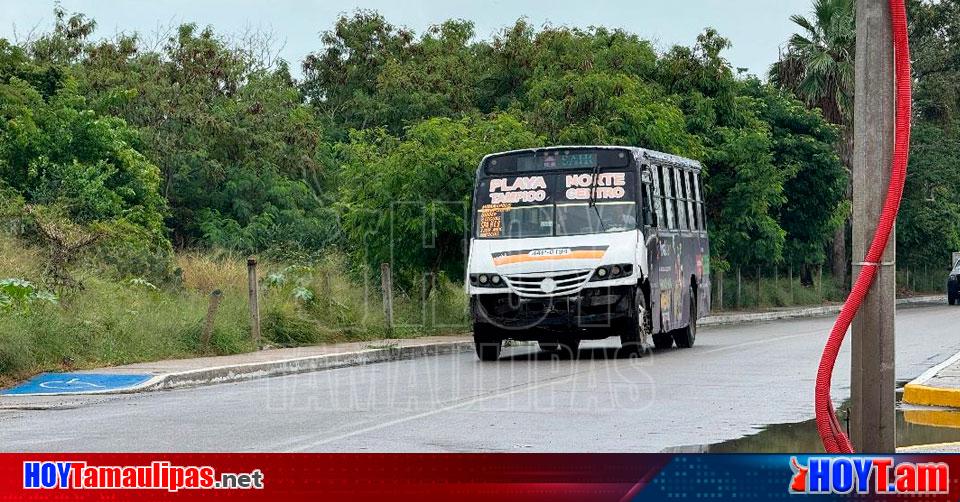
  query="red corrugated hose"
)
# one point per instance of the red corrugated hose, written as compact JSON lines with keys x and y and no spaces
{"x":829,"y":428}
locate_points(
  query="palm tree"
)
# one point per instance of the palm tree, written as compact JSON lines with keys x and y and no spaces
{"x":817,"y":67}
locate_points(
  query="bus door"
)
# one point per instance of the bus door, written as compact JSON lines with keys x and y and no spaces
{"x":652,"y":234}
{"x":669,"y":298}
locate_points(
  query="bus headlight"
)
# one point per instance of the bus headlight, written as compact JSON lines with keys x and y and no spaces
{"x":487,"y":281}
{"x":609,"y":272}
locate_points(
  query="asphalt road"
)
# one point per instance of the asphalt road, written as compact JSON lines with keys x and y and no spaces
{"x":736,"y":379}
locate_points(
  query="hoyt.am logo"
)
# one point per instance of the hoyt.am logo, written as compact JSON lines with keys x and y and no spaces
{"x":878,"y":475}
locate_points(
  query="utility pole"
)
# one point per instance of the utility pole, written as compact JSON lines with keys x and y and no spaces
{"x":872,"y":380}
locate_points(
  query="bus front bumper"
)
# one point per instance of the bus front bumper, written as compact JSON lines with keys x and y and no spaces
{"x":592,"y":312}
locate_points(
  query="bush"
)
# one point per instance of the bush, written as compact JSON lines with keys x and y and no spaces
{"x":20,"y":294}
{"x":283,"y":325}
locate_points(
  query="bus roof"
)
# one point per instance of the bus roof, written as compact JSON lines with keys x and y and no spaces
{"x":639,"y":153}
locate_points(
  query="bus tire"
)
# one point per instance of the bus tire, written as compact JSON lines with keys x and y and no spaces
{"x":569,"y":348}
{"x":663,"y":341}
{"x":549,"y":346}
{"x":486,"y":342}
{"x":639,"y":325}
{"x":685,"y":337}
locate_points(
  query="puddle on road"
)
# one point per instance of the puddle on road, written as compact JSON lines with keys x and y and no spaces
{"x":915,"y":426}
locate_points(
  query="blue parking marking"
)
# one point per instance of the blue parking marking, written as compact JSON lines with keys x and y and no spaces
{"x":72,"y":383}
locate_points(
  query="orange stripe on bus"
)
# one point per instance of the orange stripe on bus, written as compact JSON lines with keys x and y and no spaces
{"x":525,"y":258}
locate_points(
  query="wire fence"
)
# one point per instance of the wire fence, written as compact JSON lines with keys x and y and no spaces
{"x":773,"y":287}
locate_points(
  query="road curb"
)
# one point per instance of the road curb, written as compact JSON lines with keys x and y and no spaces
{"x":251,"y":371}
{"x":931,"y":448}
{"x":931,"y":396}
{"x":722,"y":319}
{"x":920,"y":393}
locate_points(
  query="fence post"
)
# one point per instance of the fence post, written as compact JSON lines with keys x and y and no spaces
{"x":820,"y":281}
{"x":325,"y":285}
{"x":739,"y":287}
{"x":759,"y":288}
{"x":386,"y":284}
{"x":215,"y":299}
{"x":720,"y":290}
{"x":253,"y":289}
{"x":790,"y":278}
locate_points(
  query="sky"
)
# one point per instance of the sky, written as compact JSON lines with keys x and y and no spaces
{"x":757,"y":28}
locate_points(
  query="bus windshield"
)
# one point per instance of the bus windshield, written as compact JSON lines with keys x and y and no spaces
{"x":576,"y":219}
{"x":555,"y":205}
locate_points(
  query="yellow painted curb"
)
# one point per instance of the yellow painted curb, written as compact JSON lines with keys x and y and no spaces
{"x":935,"y":418}
{"x":931,"y":396}
{"x":927,"y":448}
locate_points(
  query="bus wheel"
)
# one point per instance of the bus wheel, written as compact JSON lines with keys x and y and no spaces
{"x":686,"y":336}
{"x":569,"y":348}
{"x":549,"y":346}
{"x":663,"y":341}
{"x":639,"y":325}
{"x":486,"y":342}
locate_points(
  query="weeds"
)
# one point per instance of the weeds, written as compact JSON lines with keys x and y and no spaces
{"x":121,"y":320}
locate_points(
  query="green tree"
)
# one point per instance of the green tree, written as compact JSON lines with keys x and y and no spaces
{"x":929,"y":223}
{"x":744,"y":188}
{"x":814,"y":190}
{"x":928,"y":228}
{"x":608,"y":108}
{"x":342,"y":79}
{"x":243,"y":158}
{"x":406,"y":200}
{"x":818,"y":67}
{"x":59,"y":154}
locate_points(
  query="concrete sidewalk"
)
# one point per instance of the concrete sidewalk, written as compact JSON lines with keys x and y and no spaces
{"x":175,"y":373}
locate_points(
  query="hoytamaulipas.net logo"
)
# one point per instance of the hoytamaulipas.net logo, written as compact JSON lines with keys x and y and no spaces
{"x":158,"y":475}
{"x":878,"y":475}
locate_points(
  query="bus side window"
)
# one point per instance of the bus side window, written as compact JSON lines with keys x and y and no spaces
{"x":657,"y":188}
{"x":685,"y":202}
{"x":666,"y":182}
{"x":646,"y":190}
{"x":678,"y":196}
{"x":701,"y":201}
{"x":692,"y":210}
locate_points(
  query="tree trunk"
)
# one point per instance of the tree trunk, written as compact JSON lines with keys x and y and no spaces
{"x":806,"y":275}
{"x":839,"y":258}
{"x":720,"y":290}
{"x":739,"y":288}
{"x":840,"y":255}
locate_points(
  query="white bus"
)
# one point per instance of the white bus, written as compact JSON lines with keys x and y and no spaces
{"x":585,"y":242}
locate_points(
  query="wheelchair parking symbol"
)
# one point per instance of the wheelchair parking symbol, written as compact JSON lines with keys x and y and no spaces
{"x":72,"y":384}
{"x":77,"y":383}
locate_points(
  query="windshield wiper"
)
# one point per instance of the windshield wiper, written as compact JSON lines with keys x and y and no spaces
{"x":593,"y":196}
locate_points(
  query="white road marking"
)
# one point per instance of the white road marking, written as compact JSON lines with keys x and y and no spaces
{"x":497,"y":394}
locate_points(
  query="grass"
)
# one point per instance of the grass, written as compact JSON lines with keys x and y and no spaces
{"x":776,"y":291}
{"x":119,"y":321}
